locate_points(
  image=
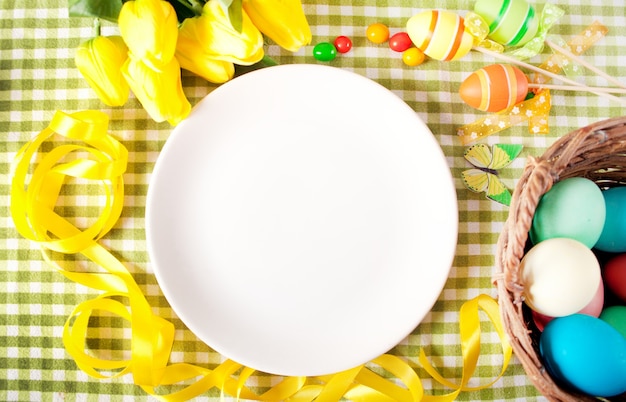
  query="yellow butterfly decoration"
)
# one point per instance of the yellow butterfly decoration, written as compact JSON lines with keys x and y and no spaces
{"x":487,"y":162}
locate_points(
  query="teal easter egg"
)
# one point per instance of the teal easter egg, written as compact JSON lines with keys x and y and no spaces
{"x":615,"y":316}
{"x":573,"y":208}
{"x":585,"y":353}
{"x":612,"y":238}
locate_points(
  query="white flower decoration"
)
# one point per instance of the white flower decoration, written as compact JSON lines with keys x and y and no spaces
{"x":515,"y":110}
{"x":529,"y":113}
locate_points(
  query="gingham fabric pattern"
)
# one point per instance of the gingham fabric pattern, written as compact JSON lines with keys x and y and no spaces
{"x":38,"y":77}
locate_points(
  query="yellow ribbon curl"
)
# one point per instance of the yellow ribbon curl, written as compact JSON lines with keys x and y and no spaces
{"x":91,"y":154}
{"x":479,"y":30}
{"x":535,"y":110}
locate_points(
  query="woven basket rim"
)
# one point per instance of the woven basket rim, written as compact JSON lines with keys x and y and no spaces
{"x":597,"y":152}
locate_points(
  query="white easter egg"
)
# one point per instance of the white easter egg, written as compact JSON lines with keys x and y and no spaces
{"x":560,"y":276}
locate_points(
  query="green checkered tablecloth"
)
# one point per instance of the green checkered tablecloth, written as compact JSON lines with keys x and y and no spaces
{"x":38,"y":77}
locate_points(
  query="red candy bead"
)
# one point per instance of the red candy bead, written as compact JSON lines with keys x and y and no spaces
{"x":343,"y":44}
{"x":400,"y":42}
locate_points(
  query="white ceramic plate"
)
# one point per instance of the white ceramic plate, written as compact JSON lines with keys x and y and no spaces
{"x":302,"y":220}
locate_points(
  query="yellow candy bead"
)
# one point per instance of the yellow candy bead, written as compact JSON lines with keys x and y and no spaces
{"x":377,"y":33}
{"x":413,"y":57}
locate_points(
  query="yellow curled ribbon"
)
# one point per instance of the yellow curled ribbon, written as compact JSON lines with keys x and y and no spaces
{"x":535,"y":110}
{"x":549,"y":16}
{"x":89,"y":153}
{"x":577,"y":45}
{"x":479,"y":30}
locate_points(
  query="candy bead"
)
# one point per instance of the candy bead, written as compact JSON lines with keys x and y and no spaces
{"x":494,"y":88}
{"x":400,"y":42}
{"x":413,"y":57}
{"x":440,"y":34}
{"x":324,"y":51}
{"x":343,"y":44}
{"x":511,"y":22}
{"x":377,"y":33}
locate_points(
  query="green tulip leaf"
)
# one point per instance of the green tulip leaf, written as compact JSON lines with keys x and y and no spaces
{"x":184,"y":9}
{"x":235,"y":14}
{"x":106,"y":10}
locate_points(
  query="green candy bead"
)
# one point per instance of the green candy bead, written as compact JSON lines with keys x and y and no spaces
{"x":324,"y":51}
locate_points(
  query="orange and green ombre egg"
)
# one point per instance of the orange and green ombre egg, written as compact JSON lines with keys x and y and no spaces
{"x":511,"y":22}
{"x":440,"y":35}
{"x":494,"y":88}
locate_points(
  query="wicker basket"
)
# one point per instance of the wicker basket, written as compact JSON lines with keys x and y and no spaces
{"x":597,"y":152}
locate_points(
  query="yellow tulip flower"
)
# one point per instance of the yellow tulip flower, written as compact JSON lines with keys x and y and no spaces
{"x":281,"y":20}
{"x":160,"y":92}
{"x":99,"y":60}
{"x":149,"y":28}
{"x":208,"y":45}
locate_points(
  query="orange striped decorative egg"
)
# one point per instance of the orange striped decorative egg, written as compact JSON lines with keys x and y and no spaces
{"x":494,"y":88}
{"x":440,"y":35}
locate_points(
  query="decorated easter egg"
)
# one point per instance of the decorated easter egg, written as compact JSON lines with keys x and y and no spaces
{"x":572,"y":208}
{"x":613,"y":238}
{"x":594,"y":309}
{"x":615,"y":316}
{"x":560,"y":276}
{"x":585,"y":353}
{"x":494,"y":88}
{"x":441,"y":35}
{"x":615,"y":275}
{"x":511,"y":22}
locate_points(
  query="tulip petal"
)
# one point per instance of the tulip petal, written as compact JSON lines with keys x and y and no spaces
{"x":224,"y":41}
{"x":99,"y":60}
{"x":208,"y":45}
{"x":281,"y":20}
{"x":150,"y":28}
{"x":160,"y":92}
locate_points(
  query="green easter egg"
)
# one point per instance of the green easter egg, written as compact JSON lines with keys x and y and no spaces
{"x":615,"y":316}
{"x":573,"y":208}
